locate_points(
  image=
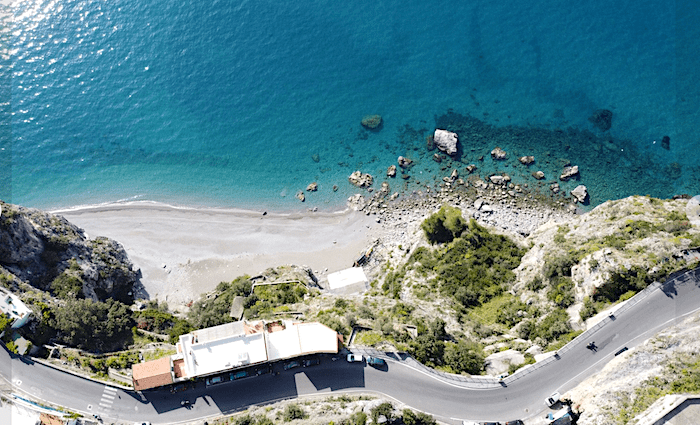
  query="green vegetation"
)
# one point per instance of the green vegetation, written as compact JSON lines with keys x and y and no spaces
{"x":681,"y":376}
{"x":444,"y":225}
{"x":292,"y":412}
{"x":432,"y":348}
{"x":410,"y":417}
{"x":385,"y":409}
{"x":67,"y":286}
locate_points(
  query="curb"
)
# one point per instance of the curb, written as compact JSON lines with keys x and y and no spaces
{"x":81,"y":375}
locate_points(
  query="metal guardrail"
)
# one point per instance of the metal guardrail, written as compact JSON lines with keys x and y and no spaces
{"x":483,"y":381}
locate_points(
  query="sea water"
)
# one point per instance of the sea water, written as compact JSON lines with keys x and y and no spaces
{"x":238,"y":103}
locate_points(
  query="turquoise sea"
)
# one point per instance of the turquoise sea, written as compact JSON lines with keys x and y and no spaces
{"x":241,"y":103}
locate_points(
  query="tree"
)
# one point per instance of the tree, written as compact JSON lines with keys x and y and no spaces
{"x":444,"y":225}
{"x":94,"y":325}
{"x":385,"y":409}
{"x":464,"y":357}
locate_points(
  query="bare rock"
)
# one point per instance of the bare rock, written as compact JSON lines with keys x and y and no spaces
{"x":568,"y":173}
{"x":360,"y":180}
{"x":497,"y":179}
{"x":454,"y":175}
{"x":437,"y":158}
{"x":335,"y":188}
{"x":539,"y":175}
{"x":526,"y":160}
{"x":471,"y":168}
{"x":391,"y":171}
{"x":300,"y":196}
{"x":357,"y":202}
{"x":312,"y":187}
{"x":580,"y":193}
{"x":554,"y":187}
{"x":498,"y":154}
{"x":404,"y":162}
{"x":446,"y":141}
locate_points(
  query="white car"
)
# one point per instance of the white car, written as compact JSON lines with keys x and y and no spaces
{"x":352,"y":358}
{"x":552,"y":399}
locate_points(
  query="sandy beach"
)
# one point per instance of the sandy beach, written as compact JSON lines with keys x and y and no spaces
{"x":183,"y":252}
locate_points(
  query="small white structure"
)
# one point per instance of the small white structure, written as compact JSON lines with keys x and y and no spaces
{"x":14,"y":308}
{"x":348,"y":281}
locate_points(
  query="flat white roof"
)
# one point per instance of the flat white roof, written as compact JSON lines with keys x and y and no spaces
{"x":283,"y":344}
{"x":317,"y":338}
{"x":215,"y":355}
{"x":347,"y":277}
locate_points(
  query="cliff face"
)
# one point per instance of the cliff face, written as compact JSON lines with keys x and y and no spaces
{"x":54,"y":255}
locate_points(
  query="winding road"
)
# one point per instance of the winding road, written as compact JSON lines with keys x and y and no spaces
{"x":519,"y":397}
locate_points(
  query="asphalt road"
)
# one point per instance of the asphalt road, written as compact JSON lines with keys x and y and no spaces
{"x":522,"y":396}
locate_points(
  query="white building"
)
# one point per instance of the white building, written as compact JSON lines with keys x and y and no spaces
{"x":14,"y":308}
{"x":348,"y":281}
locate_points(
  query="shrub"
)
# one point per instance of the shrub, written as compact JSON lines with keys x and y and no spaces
{"x":444,"y":225}
{"x":588,"y":310}
{"x":561,"y":292}
{"x":292,"y":412}
{"x":553,"y":325}
{"x":67,"y":286}
{"x":385,"y":409}
{"x":93,"y":325}
{"x":410,"y":417}
{"x":464,"y":357}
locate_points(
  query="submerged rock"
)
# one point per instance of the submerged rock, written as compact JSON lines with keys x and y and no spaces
{"x":437,"y":158}
{"x":372,"y":121}
{"x":446,"y":141}
{"x":666,"y":143}
{"x":391,"y":171}
{"x":312,"y":187}
{"x":539,"y":175}
{"x":602,"y":118}
{"x":300,"y":196}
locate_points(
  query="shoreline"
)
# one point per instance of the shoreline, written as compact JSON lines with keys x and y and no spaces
{"x":183,"y":252}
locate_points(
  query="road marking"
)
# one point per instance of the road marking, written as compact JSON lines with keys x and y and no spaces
{"x":105,"y":405}
{"x":111,"y":389}
{"x":107,"y":396}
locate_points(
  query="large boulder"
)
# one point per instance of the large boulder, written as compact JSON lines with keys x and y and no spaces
{"x":404,"y":162}
{"x":360,"y":180}
{"x":580,"y":193}
{"x":526,"y":160}
{"x":391,"y":171}
{"x":498,"y":153}
{"x":568,"y":173}
{"x":446,"y":141}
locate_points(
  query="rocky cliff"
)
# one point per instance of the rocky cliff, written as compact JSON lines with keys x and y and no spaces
{"x":51,"y":254}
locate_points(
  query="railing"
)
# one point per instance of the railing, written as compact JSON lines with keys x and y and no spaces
{"x":484,"y":381}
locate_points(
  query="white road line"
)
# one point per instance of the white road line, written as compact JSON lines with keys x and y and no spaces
{"x":105,"y":405}
{"x":111,"y":389}
{"x":107,"y":396}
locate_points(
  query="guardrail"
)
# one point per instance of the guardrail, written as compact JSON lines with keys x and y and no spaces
{"x":483,"y":381}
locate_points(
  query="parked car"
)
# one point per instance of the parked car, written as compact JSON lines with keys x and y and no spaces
{"x":376,"y":362}
{"x":291,"y":365}
{"x":480,"y":423}
{"x":213,"y":381}
{"x":311,"y":362}
{"x":515,"y":422}
{"x":552,"y":399}
{"x":352,"y":358}
{"x":239,"y":375}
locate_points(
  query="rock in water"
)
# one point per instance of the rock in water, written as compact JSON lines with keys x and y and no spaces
{"x":391,"y":171}
{"x":404,"y":162}
{"x":666,"y":143}
{"x":315,"y":157}
{"x":437,"y":158}
{"x":446,"y":141}
{"x":527,"y":160}
{"x":539,"y":175}
{"x":498,"y":153}
{"x":360,"y":180}
{"x":300,"y":196}
{"x":602,"y":118}
{"x":580,"y":193}
{"x":372,"y":121}
{"x":312,"y":187}
{"x":568,"y":173}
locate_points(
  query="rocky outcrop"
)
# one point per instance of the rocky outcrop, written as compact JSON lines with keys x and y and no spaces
{"x":372,"y":122}
{"x":580,"y":193}
{"x":539,"y":175}
{"x":391,"y":171}
{"x":568,"y":173}
{"x":602,"y":118}
{"x":446,"y":141}
{"x":404,"y":162}
{"x":37,"y":247}
{"x":312,"y":187}
{"x":526,"y":160}
{"x":498,"y":154}
{"x":359,"y":179}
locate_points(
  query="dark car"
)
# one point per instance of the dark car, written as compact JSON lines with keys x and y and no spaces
{"x":311,"y":362}
{"x":376,"y":362}
{"x":516,"y":422}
